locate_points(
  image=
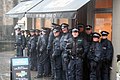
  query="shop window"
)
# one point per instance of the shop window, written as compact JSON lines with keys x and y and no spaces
{"x":103,"y":4}
{"x":63,"y":21}
{"x":103,"y":21}
{"x":38,"y":25}
{"x":47,"y":23}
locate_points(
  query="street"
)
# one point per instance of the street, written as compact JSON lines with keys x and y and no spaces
{"x":5,"y":66}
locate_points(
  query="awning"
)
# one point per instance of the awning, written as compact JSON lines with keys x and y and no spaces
{"x":22,"y":8}
{"x":56,"y":9}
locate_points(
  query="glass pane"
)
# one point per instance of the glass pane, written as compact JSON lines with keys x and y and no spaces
{"x":103,"y":21}
{"x":103,"y":4}
{"x":47,"y":23}
{"x":38,"y":24}
{"x":63,"y":20}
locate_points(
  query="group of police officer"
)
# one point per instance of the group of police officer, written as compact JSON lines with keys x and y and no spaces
{"x":63,"y":54}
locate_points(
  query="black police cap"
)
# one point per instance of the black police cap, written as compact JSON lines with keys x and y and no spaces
{"x":55,"y":25}
{"x":95,"y":34}
{"x":104,"y":33}
{"x":88,"y":27}
{"x":75,"y":30}
{"x":80,"y":25}
{"x":44,"y":30}
{"x":56,"y":30}
{"x":64,"y":25}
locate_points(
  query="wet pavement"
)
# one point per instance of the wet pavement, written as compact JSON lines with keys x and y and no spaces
{"x":5,"y":67}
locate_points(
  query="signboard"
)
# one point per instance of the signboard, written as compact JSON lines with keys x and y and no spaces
{"x":20,"y":69}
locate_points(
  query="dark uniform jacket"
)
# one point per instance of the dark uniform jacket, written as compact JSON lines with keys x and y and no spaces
{"x":20,"y":40}
{"x":36,"y":37}
{"x":107,"y":50}
{"x":24,"y":41}
{"x":82,"y":35}
{"x":42,"y":43}
{"x":88,"y":38}
{"x":42,"y":47}
{"x":27,"y":38}
{"x":95,"y":52}
{"x":56,"y":47}
{"x":79,"y":47}
{"x":64,"y":38}
{"x":32,"y":45}
{"x":50,"y":41}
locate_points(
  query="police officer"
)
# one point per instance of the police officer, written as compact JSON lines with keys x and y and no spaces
{"x":84,"y":35}
{"x":65,"y":36}
{"x":24,"y":42}
{"x":50,"y":47}
{"x":43,"y":61}
{"x":88,"y":38}
{"x":20,"y":42}
{"x":37,"y":31}
{"x":27,"y":38}
{"x":56,"y":55}
{"x":32,"y":50}
{"x":76,"y":47}
{"x":37,"y":34}
{"x":107,"y":55}
{"x":94,"y":56}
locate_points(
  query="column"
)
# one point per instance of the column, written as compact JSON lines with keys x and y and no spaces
{"x":70,"y":23}
{"x":33,"y":23}
{"x":90,"y":12}
{"x":116,"y":35}
{"x":42,"y":22}
{"x":29,"y":23}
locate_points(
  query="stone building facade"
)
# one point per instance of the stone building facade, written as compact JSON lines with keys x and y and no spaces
{"x":7,"y":23}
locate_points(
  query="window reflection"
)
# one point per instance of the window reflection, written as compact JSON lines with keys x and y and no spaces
{"x":103,"y":21}
{"x":63,"y":20}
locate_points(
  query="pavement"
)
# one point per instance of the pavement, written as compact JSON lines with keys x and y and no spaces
{"x":5,"y":66}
